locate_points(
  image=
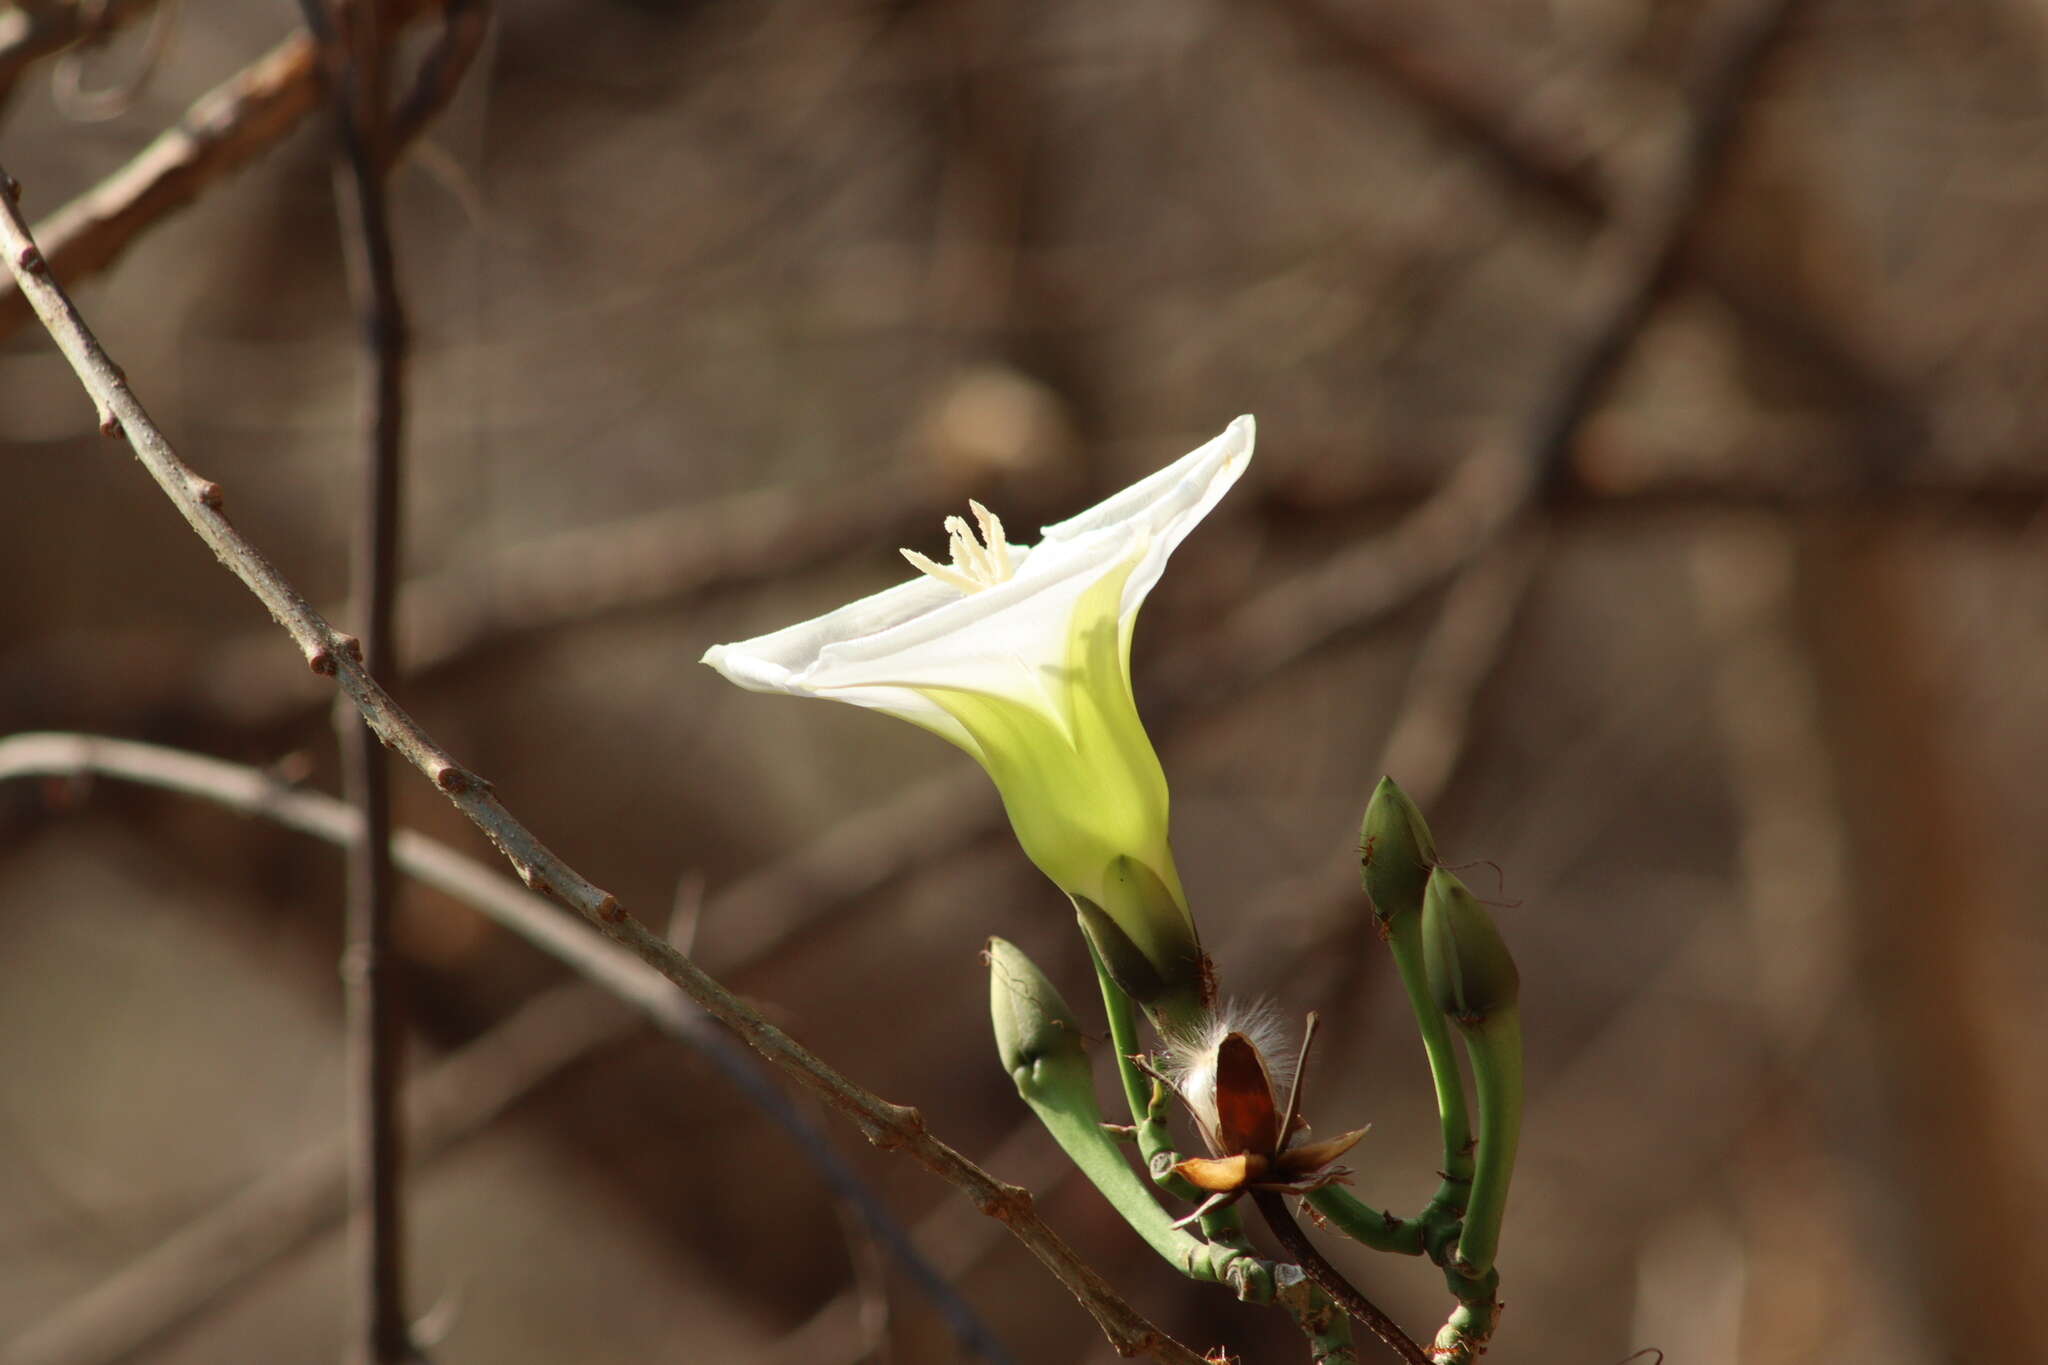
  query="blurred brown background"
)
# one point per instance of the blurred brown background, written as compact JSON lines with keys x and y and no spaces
{"x":1706,"y":604}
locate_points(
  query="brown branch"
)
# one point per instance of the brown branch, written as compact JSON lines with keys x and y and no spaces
{"x":330,"y":653}
{"x":1332,"y":1282}
{"x":155,"y":1306}
{"x":224,"y":130}
{"x":31,"y":32}
{"x":1474,"y":95}
{"x":496,"y":592}
{"x":1471,"y":93}
{"x":463,"y":25}
{"x":1633,"y":264}
{"x":355,"y":79}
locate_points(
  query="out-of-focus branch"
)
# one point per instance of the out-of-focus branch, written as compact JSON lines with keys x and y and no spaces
{"x":1935,"y":893}
{"x":494,"y":593}
{"x":463,"y":25}
{"x":204,"y":1260}
{"x":33,"y":31}
{"x":352,"y":44}
{"x":1475,"y":95}
{"x":224,"y":130}
{"x":330,"y":653}
{"x":1471,"y":93}
{"x":1634,"y":262}
{"x":162,"y":1289}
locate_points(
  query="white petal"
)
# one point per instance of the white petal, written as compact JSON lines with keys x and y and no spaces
{"x":1008,"y":639}
{"x":1168,"y":503}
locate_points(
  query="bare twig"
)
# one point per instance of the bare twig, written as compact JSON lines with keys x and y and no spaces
{"x":67,"y":81}
{"x":329,"y":652}
{"x":1633,"y":263}
{"x":1332,"y":1282}
{"x":1471,"y":93}
{"x":257,"y":794}
{"x":1475,"y":95}
{"x":463,"y":25}
{"x":488,"y":593}
{"x":1636,"y":262}
{"x":224,"y":130}
{"x":355,"y":77}
{"x":30,"y":32}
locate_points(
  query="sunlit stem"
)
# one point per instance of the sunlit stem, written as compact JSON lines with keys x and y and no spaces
{"x":1363,"y":1223}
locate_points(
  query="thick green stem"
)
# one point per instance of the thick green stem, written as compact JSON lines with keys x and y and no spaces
{"x":1494,"y":1044}
{"x":1464,"y":1336}
{"x":1363,"y":1223}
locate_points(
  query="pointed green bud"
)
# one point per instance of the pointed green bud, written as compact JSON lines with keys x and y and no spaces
{"x":1146,"y":942}
{"x":1470,"y":972}
{"x":1033,"y":1025}
{"x":1396,"y":851}
{"x":1474,"y":981}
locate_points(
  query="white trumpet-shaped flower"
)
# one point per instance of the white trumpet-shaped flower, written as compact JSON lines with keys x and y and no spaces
{"x":1021,"y":656}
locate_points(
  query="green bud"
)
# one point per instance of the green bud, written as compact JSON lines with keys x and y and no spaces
{"x":1033,"y":1025}
{"x":1470,"y":972}
{"x":1396,"y":850}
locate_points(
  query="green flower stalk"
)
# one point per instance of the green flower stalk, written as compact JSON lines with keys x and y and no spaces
{"x":1397,"y":855}
{"x":1040,"y":1043}
{"x":1021,"y":655}
{"x":1474,"y":981}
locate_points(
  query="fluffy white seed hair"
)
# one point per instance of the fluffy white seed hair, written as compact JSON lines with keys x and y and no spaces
{"x":1190,"y":1057}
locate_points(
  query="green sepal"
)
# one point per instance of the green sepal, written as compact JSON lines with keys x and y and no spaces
{"x":1168,"y":977}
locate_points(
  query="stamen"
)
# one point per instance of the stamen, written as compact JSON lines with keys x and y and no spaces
{"x":992,"y":535}
{"x":952,"y":578}
{"x":977,"y":563}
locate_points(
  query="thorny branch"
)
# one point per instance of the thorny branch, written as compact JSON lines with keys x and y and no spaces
{"x":331,"y":653}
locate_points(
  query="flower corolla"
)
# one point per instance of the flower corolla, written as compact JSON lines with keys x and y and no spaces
{"x":1020,"y":655}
